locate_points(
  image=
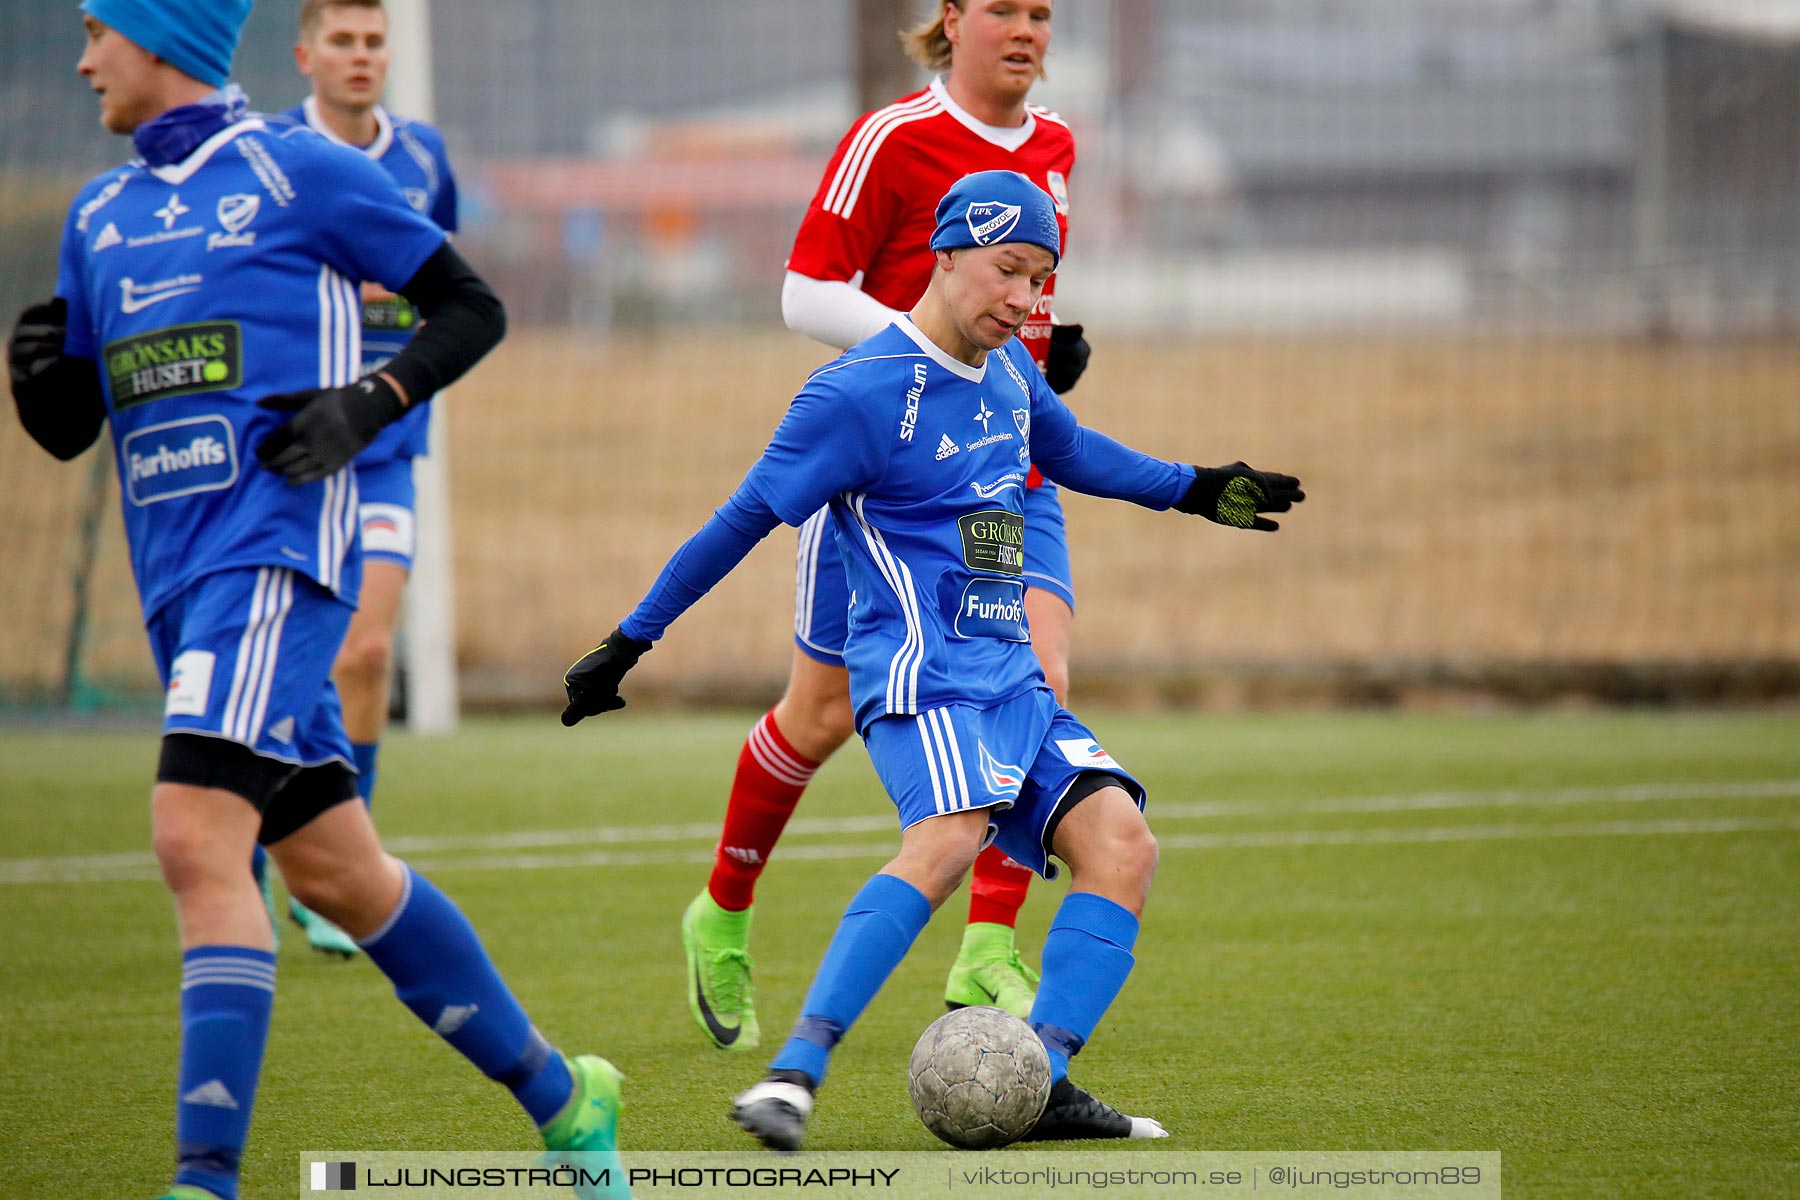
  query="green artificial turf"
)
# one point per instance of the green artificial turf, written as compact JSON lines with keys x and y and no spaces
{"x":1570,"y":937}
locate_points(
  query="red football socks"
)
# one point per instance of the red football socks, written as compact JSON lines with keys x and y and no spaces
{"x":997,"y":888}
{"x":770,"y":777}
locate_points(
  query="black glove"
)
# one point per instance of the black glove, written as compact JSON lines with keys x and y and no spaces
{"x":329,"y":427}
{"x":593,"y":682}
{"x":1067,"y":359}
{"x":1234,"y":495}
{"x":58,"y":397}
{"x":37,"y":341}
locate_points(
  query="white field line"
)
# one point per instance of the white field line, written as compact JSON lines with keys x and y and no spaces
{"x":1224,"y":841}
{"x":102,"y":868}
{"x":1477,"y":833}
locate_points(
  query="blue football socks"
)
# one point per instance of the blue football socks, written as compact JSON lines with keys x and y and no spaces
{"x":365,"y":755}
{"x":877,"y":930}
{"x":1087,"y":956}
{"x":226,"y":995}
{"x":443,"y":974}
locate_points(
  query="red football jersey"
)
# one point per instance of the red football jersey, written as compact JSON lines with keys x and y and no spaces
{"x":875,"y":209}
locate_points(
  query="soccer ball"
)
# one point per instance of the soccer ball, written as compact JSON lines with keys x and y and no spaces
{"x":979,"y":1078}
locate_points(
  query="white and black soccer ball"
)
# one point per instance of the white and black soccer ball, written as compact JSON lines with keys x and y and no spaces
{"x":979,"y":1078}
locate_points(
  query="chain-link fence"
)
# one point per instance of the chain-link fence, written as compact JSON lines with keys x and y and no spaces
{"x":1514,"y":287}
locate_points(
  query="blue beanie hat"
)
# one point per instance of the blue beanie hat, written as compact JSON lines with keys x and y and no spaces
{"x":990,"y":207}
{"x":197,"y":38}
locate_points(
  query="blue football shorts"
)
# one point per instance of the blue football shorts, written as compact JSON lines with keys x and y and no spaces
{"x":245,"y":654}
{"x":388,"y":502}
{"x":1017,"y":760}
{"x":1047,"y":544}
{"x":822,"y":594}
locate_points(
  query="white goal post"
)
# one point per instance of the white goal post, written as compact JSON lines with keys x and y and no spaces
{"x":429,"y":643}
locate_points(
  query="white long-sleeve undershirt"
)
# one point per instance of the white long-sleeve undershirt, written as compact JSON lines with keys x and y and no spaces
{"x":837,"y":313}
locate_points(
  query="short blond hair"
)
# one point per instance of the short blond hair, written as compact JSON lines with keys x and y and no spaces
{"x":926,"y":43}
{"x":313,"y":11}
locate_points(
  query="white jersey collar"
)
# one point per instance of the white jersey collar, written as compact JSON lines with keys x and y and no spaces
{"x":384,"y":129}
{"x":936,"y":353}
{"x":1003,"y":136}
{"x":179,"y":173}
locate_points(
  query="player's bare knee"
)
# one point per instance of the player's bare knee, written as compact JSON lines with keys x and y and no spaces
{"x":953,"y":864}
{"x":937,"y":853}
{"x":185,"y":853}
{"x":328,"y":875}
{"x":814,"y":723}
{"x":352,"y":894}
{"x":1130,"y":859}
{"x":837,"y":720}
{"x":328,"y":893}
{"x":207,"y":788}
{"x":938,"y":878}
{"x":1139,"y":854}
{"x":1125,"y":849}
{"x":307,"y":871}
{"x":194,"y":859}
{"x":365,"y":659}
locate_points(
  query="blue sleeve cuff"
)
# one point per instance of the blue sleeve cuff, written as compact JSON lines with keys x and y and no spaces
{"x":1184,"y":479}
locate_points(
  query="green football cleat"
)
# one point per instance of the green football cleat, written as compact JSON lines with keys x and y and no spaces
{"x":585,"y":1134}
{"x":988,"y":970}
{"x":720,"y":994}
{"x":182,"y":1191}
{"x":325,"y":937}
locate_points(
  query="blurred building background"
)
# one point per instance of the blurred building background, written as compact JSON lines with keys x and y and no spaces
{"x":1513,"y":284}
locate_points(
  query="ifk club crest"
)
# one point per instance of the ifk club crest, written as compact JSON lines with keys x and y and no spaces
{"x":990,"y":221}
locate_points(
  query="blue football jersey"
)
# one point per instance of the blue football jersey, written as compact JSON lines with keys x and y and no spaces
{"x":413,"y":153}
{"x":923,"y":459}
{"x":202,"y":286}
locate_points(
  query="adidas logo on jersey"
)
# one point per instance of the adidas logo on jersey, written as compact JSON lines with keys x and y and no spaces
{"x":453,"y":1018}
{"x":212,"y":1094}
{"x":283,"y":730}
{"x":108,"y":237}
{"x":946,"y":448}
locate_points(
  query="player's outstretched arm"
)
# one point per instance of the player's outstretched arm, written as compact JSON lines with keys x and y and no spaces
{"x":1236,"y":494}
{"x":1088,"y":461}
{"x":823,"y":446}
{"x":463,"y":321}
{"x":58,"y":395}
{"x":694,"y":570}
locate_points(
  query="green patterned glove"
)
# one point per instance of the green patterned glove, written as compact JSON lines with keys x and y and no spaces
{"x":1234,"y":496}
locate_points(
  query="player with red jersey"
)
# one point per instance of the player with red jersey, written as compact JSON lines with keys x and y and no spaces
{"x":862,"y":257}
